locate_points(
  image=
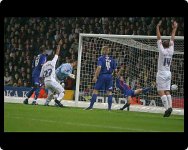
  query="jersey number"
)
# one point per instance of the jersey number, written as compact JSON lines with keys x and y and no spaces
{"x":167,"y":61}
{"x":47,"y":73}
{"x":108,"y":64}
{"x":37,"y":60}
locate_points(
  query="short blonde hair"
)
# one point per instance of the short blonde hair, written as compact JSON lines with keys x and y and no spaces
{"x":103,"y":51}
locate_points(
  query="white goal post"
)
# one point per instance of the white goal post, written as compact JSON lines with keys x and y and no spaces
{"x":139,"y":54}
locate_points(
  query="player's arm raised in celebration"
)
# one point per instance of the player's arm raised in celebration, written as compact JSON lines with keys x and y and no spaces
{"x":96,"y":73}
{"x":174,"y":28}
{"x":58,"y":47}
{"x":57,"y":52}
{"x":158,"y":30}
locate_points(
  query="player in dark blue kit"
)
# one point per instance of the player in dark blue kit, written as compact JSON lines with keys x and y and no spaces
{"x":103,"y":78}
{"x":127,"y":91}
{"x":36,"y":65}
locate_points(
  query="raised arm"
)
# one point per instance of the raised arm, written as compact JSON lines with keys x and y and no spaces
{"x":158,"y":31}
{"x":54,"y":60}
{"x":174,"y":28}
{"x":58,"y":47}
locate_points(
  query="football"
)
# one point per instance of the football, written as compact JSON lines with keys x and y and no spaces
{"x":174,"y":87}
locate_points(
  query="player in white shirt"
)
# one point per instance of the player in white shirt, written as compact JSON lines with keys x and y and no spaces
{"x":62,"y":72}
{"x":48,"y":73}
{"x":163,"y":78}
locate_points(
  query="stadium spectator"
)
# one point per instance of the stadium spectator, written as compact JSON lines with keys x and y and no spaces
{"x":7,"y":79}
{"x":24,"y":36}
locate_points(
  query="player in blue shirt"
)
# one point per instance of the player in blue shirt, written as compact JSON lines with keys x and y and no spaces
{"x":36,"y":65}
{"x":103,"y":78}
{"x":62,"y":72}
{"x":127,"y":91}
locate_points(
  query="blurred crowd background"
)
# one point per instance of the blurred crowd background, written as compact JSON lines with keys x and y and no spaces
{"x":24,"y":36}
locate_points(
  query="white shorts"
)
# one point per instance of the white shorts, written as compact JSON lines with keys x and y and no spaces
{"x":54,"y":86}
{"x":163,"y":80}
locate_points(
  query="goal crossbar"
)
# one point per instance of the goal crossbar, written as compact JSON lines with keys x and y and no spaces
{"x":128,"y":36}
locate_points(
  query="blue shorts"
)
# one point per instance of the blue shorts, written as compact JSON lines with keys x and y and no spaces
{"x":129,"y":93}
{"x":104,"y":82}
{"x":35,"y":81}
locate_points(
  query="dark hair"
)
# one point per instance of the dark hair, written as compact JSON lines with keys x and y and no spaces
{"x":72,"y":60}
{"x":42,"y":48}
{"x":165,"y":43}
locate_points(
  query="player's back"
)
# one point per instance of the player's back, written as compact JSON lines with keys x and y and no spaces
{"x":107,"y":64}
{"x":48,"y":70}
{"x":63,"y":71}
{"x":165,"y":56}
{"x":37,"y":64}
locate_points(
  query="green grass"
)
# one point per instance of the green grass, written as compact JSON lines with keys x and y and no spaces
{"x":29,"y":118}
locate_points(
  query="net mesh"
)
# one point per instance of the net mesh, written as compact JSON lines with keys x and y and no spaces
{"x":139,"y":56}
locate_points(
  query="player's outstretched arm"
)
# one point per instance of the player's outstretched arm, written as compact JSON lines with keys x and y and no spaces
{"x":58,"y":47}
{"x":158,"y":31}
{"x":174,"y":28}
{"x":96,"y":73}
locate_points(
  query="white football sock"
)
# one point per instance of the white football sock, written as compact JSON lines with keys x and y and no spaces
{"x":49,"y":98}
{"x":61,"y":95}
{"x":165,"y":101}
{"x":169,"y":100}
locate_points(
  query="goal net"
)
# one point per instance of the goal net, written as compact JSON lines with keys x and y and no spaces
{"x":139,"y":55}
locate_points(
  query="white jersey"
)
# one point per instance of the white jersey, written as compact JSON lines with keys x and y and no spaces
{"x":48,"y":70}
{"x":165,"y":56}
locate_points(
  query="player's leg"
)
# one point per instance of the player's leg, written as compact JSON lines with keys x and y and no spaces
{"x":163,"y":98}
{"x":127,"y":105}
{"x":168,"y":95}
{"x":161,"y":81}
{"x":28,"y":95}
{"x":138,"y":91}
{"x":60,"y":91}
{"x":130,"y":93}
{"x":109,"y":99}
{"x":93,"y":99}
{"x":108,"y":86}
{"x":49,"y":98}
{"x":143,"y":90}
{"x":165,"y":102}
{"x":169,"y":98}
{"x":37,"y":91}
{"x":98,"y":85}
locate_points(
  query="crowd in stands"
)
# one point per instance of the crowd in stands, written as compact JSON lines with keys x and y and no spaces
{"x":24,"y":36}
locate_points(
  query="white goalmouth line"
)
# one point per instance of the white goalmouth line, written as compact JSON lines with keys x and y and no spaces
{"x":80,"y":104}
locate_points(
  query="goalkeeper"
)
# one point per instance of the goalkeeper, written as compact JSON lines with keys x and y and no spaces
{"x":120,"y":84}
{"x":62,"y":72}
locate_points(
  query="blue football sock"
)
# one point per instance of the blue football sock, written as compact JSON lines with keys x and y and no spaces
{"x":109,"y":102}
{"x":93,"y":100}
{"x":46,"y":90}
{"x":37,"y":91}
{"x":145,"y":90}
{"x":30,"y":92}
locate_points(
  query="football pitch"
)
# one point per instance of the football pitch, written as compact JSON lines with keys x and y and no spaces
{"x":38,"y":118}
